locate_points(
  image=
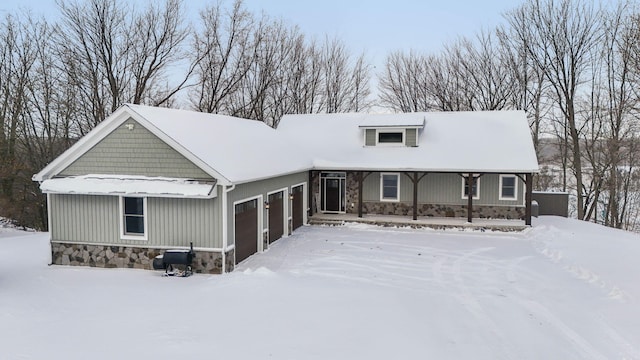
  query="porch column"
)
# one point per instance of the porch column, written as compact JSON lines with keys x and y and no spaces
{"x":527,"y":198}
{"x":310,"y":195}
{"x":415,"y":180}
{"x":360,"y":180}
{"x":470,"y":197}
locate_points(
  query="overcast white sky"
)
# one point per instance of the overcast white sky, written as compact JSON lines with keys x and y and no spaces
{"x":374,"y":26}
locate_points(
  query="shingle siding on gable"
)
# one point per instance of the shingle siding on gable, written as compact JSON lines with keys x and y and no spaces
{"x":412,"y":138}
{"x":370,"y":137}
{"x":134,"y":152}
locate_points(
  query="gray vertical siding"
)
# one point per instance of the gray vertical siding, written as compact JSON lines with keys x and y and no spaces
{"x":80,"y":218}
{"x":134,"y":152}
{"x":370,"y":137}
{"x":171,"y":222}
{"x":412,"y":137}
{"x":256,"y":188}
{"x":371,"y":188}
{"x":439,"y":188}
{"x":177,"y":222}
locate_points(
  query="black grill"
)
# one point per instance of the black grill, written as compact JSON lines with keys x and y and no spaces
{"x":175,"y":262}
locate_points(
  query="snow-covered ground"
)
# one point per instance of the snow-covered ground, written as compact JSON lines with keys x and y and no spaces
{"x":563,"y":290}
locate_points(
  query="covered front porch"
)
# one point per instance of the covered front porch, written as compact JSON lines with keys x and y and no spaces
{"x":422,"y":199}
{"x":506,"y":225}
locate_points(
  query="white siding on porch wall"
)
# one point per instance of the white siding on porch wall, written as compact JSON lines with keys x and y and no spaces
{"x":94,"y":219}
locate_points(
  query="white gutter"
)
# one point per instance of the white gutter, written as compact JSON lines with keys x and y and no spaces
{"x":225,"y":189}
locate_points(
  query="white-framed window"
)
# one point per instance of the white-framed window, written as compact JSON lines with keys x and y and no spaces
{"x":390,"y":137}
{"x":475,"y":191}
{"x":508,"y":187}
{"x":133,"y":218}
{"x":389,"y":187}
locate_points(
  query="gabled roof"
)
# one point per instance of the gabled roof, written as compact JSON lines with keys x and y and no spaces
{"x":231,"y":150}
{"x":240,"y":150}
{"x":477,"y":141}
{"x":234,"y":150}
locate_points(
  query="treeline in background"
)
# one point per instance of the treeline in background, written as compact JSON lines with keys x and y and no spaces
{"x":573,"y":66}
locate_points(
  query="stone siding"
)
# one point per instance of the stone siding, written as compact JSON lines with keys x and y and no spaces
{"x":104,"y":256}
{"x":351,"y":193}
{"x":406,"y":208}
{"x":436,"y":210}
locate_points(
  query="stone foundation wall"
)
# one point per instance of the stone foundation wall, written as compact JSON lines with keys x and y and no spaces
{"x":130,"y":257}
{"x":435,"y":210}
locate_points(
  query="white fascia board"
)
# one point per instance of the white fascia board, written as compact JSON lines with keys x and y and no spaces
{"x":222,"y":180}
{"x":434,"y":170}
{"x":391,"y":126}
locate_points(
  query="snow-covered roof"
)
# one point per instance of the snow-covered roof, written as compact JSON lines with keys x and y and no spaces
{"x":234,"y":150}
{"x":128,"y":185}
{"x":240,"y":150}
{"x":478,"y":141}
{"x":408,"y":120}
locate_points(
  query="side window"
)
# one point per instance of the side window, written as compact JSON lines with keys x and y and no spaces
{"x":389,"y":187}
{"x":133,"y":211}
{"x":475,"y":188}
{"x":508,"y":187}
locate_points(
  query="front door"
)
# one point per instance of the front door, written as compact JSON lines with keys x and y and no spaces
{"x":333,"y":191}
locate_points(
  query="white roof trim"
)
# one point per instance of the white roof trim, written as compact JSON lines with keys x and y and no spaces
{"x":399,"y":126}
{"x":129,"y":185}
{"x":103,"y":130}
{"x":83,"y":145}
{"x":178,"y":147}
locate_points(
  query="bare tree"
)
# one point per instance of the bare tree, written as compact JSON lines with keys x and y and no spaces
{"x":468,"y":75}
{"x":17,"y":56}
{"x":559,"y":35}
{"x":345,"y":82}
{"x":617,"y":110}
{"x":113,"y":54}
{"x":403,"y":83}
{"x":227,"y":49}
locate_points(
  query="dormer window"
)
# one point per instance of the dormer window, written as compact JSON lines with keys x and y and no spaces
{"x":379,"y":133}
{"x":391,"y":137}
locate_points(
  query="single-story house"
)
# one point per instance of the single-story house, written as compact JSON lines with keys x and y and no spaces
{"x":149,"y":179}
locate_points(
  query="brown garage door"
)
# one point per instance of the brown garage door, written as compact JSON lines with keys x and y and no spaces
{"x":276,"y":216}
{"x":246,"y":229}
{"x":297,"y":210}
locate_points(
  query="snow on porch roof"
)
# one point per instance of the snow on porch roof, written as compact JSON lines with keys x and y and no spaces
{"x":128,"y":185}
{"x":472,"y":141}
